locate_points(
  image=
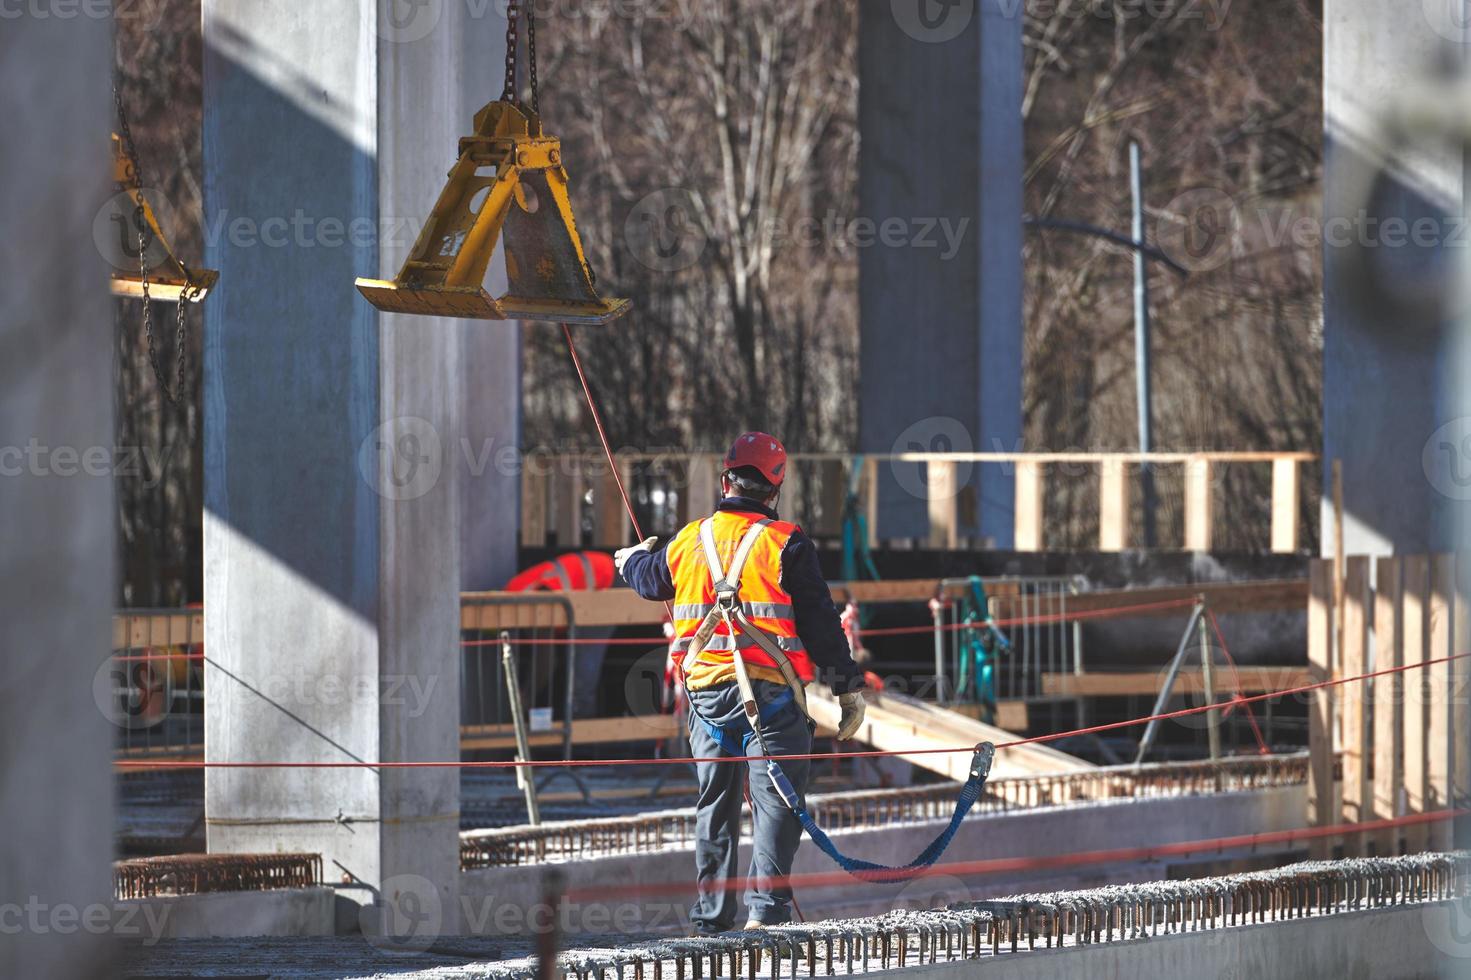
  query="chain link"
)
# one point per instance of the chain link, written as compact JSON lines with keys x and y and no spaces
{"x":513,"y":41}
{"x":531,"y":53}
{"x":145,"y":239}
{"x":513,"y":19}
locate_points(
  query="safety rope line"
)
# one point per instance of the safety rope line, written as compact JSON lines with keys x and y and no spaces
{"x":876,"y":753}
{"x":989,"y":866}
{"x":1256,"y":731}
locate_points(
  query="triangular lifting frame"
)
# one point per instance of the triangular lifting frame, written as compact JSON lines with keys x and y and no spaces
{"x":509,"y":175}
{"x":171,"y":278}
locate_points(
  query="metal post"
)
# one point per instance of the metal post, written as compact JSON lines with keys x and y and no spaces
{"x":937,"y":612}
{"x":1152,"y":728}
{"x":1141,"y":345}
{"x":1213,"y":716}
{"x":524,"y":777}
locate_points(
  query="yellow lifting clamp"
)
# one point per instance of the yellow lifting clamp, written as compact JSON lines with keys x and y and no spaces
{"x":509,"y":176}
{"x":169,"y":279}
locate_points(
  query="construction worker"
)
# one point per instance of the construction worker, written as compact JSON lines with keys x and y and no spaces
{"x":753,"y":622}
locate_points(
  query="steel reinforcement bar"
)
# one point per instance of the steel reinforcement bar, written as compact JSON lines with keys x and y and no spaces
{"x":574,"y":840}
{"x":973,"y":930}
{"x":193,"y":874}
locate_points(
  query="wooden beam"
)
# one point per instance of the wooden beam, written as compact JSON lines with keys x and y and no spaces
{"x":1320,"y":707}
{"x":142,"y":629}
{"x":1438,"y":703}
{"x":585,"y":731}
{"x":1356,"y":799}
{"x":1416,"y":718}
{"x":1285,"y":509}
{"x":940,"y":484}
{"x":1028,"y":526}
{"x":1388,"y":705}
{"x":870,"y":499}
{"x":832,"y":491}
{"x":1199,"y":505}
{"x":611,"y":528}
{"x":1113,"y":505}
{"x":568,"y":488}
{"x":1461,"y":686}
{"x":533,"y":507}
{"x":1254,"y":680}
{"x":702,"y":487}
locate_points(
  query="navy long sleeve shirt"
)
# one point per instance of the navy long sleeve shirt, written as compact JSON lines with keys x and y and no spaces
{"x":647,"y":573}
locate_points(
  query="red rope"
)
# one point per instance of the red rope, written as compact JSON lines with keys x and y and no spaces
{"x":1261,"y":743}
{"x":876,"y":753}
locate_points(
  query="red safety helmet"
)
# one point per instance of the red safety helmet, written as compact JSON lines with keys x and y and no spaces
{"x":762,"y":452}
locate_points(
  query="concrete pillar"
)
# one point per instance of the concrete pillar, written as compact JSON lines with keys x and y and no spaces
{"x":940,"y":313}
{"x":332,"y":549}
{"x":57,"y":533}
{"x":1389,"y":402}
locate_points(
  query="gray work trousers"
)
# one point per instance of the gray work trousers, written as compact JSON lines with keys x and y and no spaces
{"x":718,"y":729}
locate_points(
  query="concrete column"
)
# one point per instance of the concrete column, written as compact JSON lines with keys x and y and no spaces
{"x":1390,"y":391}
{"x":332,"y":547}
{"x":57,"y":533}
{"x":940,"y":166}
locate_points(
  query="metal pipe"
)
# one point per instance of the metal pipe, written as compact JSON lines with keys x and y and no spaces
{"x":524,"y":777}
{"x":1213,"y":716}
{"x":1141,"y":345}
{"x":1152,"y":728}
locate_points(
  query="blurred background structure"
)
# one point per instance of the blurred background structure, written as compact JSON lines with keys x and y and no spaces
{"x":904,"y":235}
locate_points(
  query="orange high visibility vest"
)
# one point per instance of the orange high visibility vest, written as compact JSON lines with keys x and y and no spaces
{"x":764,"y":601}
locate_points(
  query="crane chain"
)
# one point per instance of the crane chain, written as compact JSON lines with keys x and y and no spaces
{"x":513,"y":19}
{"x":145,"y":239}
{"x":513,"y":41}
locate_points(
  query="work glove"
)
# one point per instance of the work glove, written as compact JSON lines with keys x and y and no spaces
{"x":853,"y":707}
{"x":621,"y":555}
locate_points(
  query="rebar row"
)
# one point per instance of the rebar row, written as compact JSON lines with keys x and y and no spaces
{"x":975,"y":929}
{"x":193,"y":874}
{"x":573,"y":840}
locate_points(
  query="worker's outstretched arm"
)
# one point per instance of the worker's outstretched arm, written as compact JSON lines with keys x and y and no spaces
{"x":816,"y":616}
{"x":647,"y":573}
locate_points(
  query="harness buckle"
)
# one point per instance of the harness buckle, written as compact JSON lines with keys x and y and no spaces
{"x":980,"y":763}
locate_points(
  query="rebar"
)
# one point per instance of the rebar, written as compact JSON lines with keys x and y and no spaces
{"x":574,"y":840}
{"x":194,"y":874}
{"x":972,"y":930}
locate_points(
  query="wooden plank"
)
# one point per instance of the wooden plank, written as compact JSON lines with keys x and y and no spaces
{"x":894,"y":721}
{"x":940,"y":484}
{"x":702,"y":490}
{"x":1254,"y":680}
{"x":1113,"y":505}
{"x":1388,"y":705}
{"x":1285,"y":509}
{"x":1352,"y":697}
{"x":1028,"y":529}
{"x":1416,"y":718}
{"x":585,"y":731}
{"x":1010,"y":714}
{"x":567,"y":516}
{"x":1461,"y":686}
{"x":832,"y":491}
{"x":870,"y":499}
{"x":621,"y":607}
{"x":1438,"y":706}
{"x":138,"y":630}
{"x":533,"y":507}
{"x":1320,"y":706}
{"x":1199,"y":504}
{"x":610,"y":520}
